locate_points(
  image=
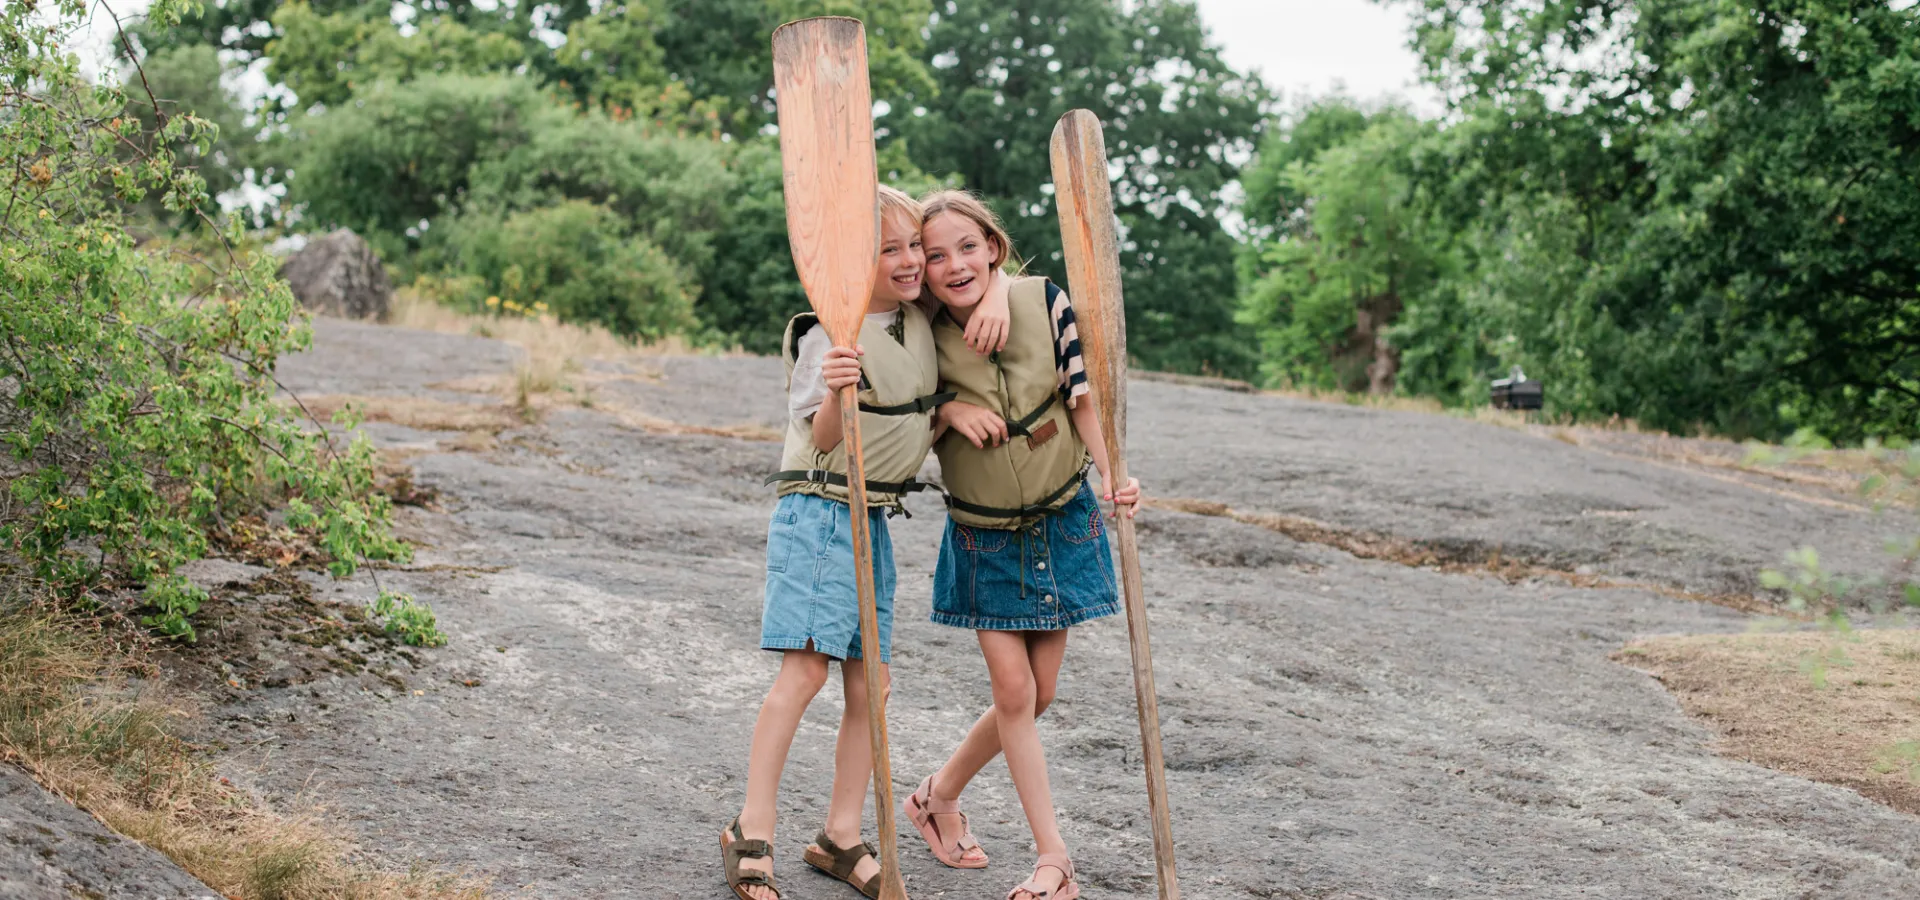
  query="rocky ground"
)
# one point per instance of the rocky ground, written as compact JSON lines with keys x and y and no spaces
{"x":1381,"y":640}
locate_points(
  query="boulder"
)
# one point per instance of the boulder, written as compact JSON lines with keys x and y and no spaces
{"x":339,"y":275}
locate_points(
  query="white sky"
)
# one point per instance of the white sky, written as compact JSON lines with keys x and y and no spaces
{"x":1311,"y":47}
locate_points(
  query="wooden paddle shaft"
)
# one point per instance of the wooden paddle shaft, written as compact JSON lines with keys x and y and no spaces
{"x":833,"y":224}
{"x":1144,"y":696}
{"x":891,"y":888}
{"x":1091,"y":248}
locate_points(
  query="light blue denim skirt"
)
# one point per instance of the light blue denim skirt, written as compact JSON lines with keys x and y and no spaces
{"x":1050,"y":575}
{"x":810,"y":595}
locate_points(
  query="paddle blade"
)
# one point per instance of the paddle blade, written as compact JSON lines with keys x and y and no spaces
{"x":826,"y":144}
{"x":1090,"y":239}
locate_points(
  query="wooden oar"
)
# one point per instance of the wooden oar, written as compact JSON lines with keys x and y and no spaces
{"x":833,"y":223}
{"x":1085,"y":201}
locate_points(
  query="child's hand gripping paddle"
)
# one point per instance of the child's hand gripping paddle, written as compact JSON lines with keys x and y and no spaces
{"x":1085,"y":201}
{"x":833,"y":223}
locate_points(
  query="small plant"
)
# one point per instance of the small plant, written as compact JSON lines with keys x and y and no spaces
{"x":173,"y":600}
{"x":1903,"y":756}
{"x":408,"y":619}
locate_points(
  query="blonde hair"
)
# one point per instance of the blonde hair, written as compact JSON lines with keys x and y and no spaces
{"x":895,"y":202}
{"x":961,"y":203}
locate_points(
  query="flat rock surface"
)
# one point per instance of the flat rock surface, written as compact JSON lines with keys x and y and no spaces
{"x":1335,"y":727}
{"x":52,"y":851}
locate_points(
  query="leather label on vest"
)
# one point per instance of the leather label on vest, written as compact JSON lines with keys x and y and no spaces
{"x":1040,"y":436}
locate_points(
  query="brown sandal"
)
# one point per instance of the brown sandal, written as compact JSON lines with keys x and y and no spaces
{"x":841,"y":862}
{"x":734,"y":847}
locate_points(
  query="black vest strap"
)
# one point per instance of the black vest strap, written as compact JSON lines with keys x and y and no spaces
{"x":914,"y":407}
{"x":822,"y":476}
{"x":1044,"y":507}
{"x":1021,"y":427}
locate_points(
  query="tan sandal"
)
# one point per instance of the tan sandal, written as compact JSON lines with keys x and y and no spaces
{"x":840,"y":862}
{"x":921,"y":806}
{"x":1069,"y":889}
{"x":734,"y":847}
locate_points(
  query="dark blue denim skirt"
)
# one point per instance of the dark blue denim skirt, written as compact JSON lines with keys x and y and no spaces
{"x":1050,"y":575}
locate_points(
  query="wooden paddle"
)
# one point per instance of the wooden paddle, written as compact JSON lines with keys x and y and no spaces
{"x":1085,"y":201}
{"x":833,"y":223}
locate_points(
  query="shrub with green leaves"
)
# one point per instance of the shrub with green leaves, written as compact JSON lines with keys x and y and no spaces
{"x":580,"y":260}
{"x":137,"y":398}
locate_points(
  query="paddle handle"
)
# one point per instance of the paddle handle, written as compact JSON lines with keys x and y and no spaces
{"x":891,"y":885}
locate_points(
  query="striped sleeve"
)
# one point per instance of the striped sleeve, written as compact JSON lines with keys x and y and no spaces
{"x":1066,"y":345}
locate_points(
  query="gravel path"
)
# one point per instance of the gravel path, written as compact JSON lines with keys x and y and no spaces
{"x":1335,"y":727}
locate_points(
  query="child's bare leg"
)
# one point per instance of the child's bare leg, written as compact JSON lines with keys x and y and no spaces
{"x":853,"y":763}
{"x":1014,"y":698}
{"x":1045,"y":649}
{"x":802,"y":673}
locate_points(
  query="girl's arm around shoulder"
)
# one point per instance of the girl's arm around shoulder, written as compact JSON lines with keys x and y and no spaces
{"x":987,"y":330}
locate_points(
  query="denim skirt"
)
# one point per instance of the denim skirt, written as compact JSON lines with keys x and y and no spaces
{"x":810,"y":595}
{"x":1051,"y":574}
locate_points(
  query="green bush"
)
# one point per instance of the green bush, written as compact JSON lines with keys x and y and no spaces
{"x":137,"y":399}
{"x":580,"y":260}
{"x":396,"y":155}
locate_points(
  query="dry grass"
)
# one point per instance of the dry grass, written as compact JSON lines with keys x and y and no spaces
{"x":415,"y":412}
{"x":69,"y":715}
{"x":1418,"y":554}
{"x":554,"y":352}
{"x":1838,"y":708}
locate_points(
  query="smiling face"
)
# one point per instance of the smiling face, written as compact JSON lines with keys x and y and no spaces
{"x":897,"y":275}
{"x":960,"y":259}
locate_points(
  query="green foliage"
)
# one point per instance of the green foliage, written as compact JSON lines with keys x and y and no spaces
{"x":173,"y":600}
{"x":578,"y":258}
{"x":322,"y":58}
{"x":1684,"y":212}
{"x":399,"y":154}
{"x":408,"y":619}
{"x":1176,"y":117}
{"x":137,"y":400}
{"x":187,"y":80}
{"x":1343,"y":240}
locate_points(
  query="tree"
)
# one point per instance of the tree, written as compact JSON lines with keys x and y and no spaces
{"x":1340,"y":243}
{"x":1734,"y":184}
{"x":1178,"y":121}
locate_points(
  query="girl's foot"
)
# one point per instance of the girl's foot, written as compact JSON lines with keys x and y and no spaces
{"x":848,"y":859}
{"x":749,"y":864}
{"x":1052,"y":880}
{"x":944,"y":826}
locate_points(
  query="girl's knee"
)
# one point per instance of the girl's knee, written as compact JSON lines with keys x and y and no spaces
{"x":1014,"y":693}
{"x":802,"y":674}
{"x":1042,"y":698}
{"x":856,"y":684}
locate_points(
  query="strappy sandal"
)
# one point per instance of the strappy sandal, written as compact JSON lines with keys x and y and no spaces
{"x":921,"y":806}
{"x":734,"y":847}
{"x":840,"y":862}
{"x":1069,"y":889}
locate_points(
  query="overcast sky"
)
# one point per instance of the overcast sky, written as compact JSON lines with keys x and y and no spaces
{"x":1308,"y":47}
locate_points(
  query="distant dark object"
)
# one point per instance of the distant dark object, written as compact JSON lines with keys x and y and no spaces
{"x":339,"y":275}
{"x":1516,"y":392}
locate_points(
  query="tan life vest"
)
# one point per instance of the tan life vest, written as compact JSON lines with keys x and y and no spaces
{"x":1040,"y":467}
{"x":898,"y":388}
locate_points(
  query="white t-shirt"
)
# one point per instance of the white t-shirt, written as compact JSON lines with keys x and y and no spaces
{"x":809,"y":387}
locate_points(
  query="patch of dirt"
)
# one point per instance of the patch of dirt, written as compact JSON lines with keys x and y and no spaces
{"x":271,"y":631}
{"x":1838,"y":708}
{"x":1453,"y":557}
